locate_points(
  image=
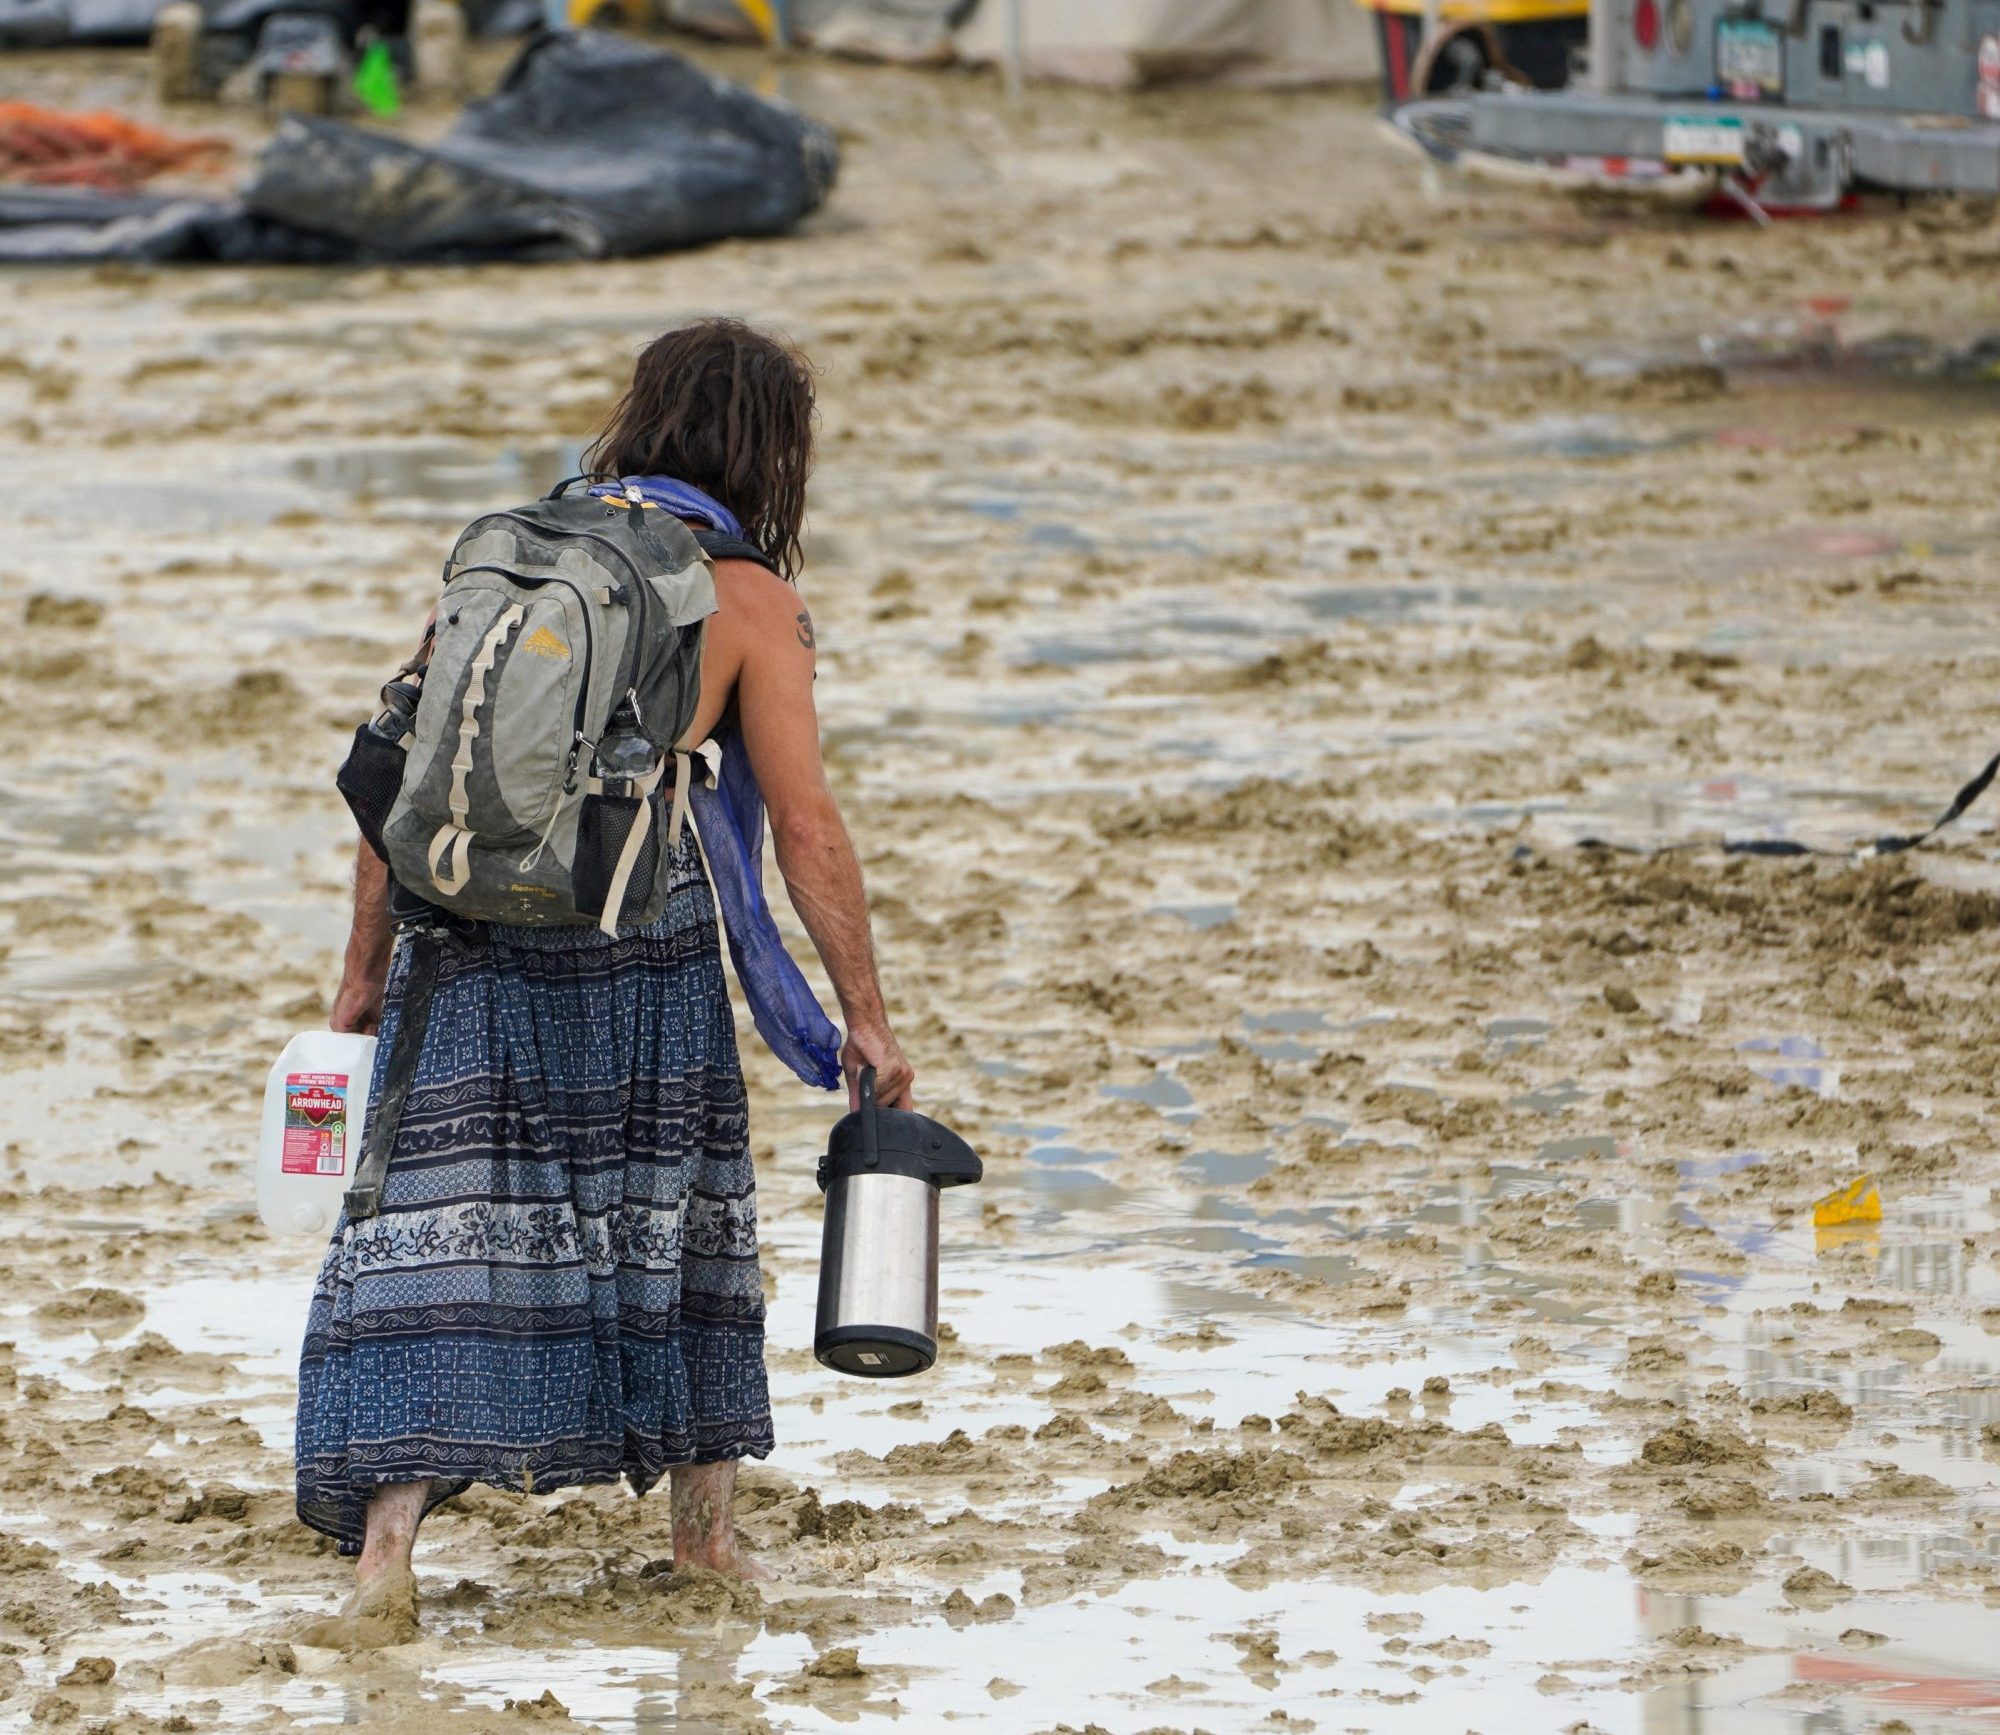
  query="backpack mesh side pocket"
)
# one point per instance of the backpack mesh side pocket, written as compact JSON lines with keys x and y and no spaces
{"x":369,"y":780}
{"x":603,"y":824}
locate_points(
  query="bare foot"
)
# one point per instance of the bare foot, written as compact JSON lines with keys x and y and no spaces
{"x":704,"y":1502}
{"x":381,"y":1612}
{"x":731,"y":1562}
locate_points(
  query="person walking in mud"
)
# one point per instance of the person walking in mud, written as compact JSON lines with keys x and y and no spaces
{"x":558,"y":1283}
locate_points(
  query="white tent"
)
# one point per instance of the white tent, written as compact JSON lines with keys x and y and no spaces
{"x":1133,"y":42}
{"x":916,"y":30}
{"x":1114,"y":42}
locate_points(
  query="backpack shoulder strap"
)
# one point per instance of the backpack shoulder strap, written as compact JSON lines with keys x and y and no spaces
{"x":720,"y":545}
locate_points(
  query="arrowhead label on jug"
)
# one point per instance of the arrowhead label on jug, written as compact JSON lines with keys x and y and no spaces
{"x":315,"y":1124}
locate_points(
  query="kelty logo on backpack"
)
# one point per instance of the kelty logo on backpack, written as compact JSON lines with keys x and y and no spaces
{"x":543,"y":643}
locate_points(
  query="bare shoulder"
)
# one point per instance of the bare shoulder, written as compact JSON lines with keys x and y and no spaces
{"x":760,"y":605}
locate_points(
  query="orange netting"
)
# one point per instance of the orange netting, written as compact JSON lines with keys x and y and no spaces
{"x":51,"y":147}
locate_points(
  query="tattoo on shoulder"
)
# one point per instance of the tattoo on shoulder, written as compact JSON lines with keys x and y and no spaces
{"x":805,"y":629}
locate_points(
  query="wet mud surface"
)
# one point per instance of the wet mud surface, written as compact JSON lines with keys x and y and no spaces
{"x":1244,"y":572}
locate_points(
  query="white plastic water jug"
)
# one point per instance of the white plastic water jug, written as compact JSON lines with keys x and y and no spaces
{"x":315,"y":1115}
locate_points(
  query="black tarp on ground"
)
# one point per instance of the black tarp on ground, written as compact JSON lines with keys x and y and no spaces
{"x":75,"y":226}
{"x":594,"y":146}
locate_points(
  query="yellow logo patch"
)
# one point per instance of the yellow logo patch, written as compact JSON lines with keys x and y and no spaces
{"x":543,"y":643}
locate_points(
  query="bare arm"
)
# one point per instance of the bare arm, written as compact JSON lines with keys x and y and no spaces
{"x":357,"y":1005}
{"x":765,"y":636}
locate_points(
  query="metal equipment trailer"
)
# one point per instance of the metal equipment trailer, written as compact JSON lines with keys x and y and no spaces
{"x":1794,"y":103}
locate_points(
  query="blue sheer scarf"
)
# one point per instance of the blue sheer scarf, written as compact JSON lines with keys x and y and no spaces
{"x":729,"y":818}
{"x":682,"y":499}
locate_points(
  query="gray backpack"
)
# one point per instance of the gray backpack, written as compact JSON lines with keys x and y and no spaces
{"x":516,"y":775}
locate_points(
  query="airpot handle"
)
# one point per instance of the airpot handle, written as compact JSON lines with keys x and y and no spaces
{"x":918,"y":1146}
{"x":871,"y":1137}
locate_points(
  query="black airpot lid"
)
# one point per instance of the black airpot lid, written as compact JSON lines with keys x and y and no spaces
{"x":895,"y":1141}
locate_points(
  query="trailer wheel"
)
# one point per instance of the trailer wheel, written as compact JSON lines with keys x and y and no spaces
{"x":1458,"y":61}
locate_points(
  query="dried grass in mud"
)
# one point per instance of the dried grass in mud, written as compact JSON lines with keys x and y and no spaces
{"x":1242,"y":576}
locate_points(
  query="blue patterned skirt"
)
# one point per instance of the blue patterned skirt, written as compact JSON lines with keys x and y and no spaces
{"x":562,"y":1284}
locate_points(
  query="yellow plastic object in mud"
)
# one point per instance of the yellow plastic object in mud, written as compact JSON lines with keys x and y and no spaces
{"x":1860,"y":1201}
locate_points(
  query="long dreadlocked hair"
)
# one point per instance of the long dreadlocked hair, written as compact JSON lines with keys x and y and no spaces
{"x":730,"y":410}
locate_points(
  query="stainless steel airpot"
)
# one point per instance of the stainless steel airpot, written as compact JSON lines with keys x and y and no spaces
{"x":878,"y":1261}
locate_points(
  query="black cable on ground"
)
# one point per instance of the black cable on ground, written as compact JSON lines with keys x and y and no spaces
{"x":1785,"y":847}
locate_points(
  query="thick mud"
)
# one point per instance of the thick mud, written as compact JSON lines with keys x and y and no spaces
{"x":1245,"y":570}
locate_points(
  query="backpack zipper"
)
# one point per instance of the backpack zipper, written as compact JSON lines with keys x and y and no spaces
{"x":642,"y":603}
{"x":545,"y":530}
{"x":532,"y":582}
{"x":637,"y":634}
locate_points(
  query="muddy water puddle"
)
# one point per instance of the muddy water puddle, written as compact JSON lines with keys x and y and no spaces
{"x":1157,"y":1271}
{"x":429,"y":474}
{"x":1026,"y":528}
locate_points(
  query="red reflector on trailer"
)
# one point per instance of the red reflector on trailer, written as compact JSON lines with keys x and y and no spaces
{"x":1646,"y":24}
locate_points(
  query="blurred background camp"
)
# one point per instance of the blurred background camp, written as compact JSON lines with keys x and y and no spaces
{"x":587,"y":147}
{"x":1432,"y":1270}
{"x":301,"y":48}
